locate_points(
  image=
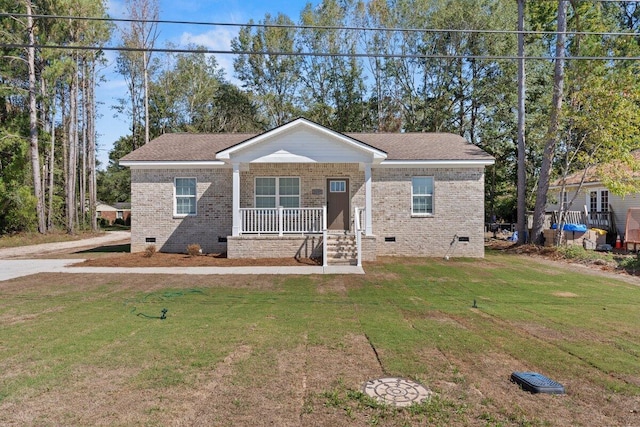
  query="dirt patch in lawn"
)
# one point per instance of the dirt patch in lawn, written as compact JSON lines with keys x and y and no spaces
{"x":182,"y":260}
{"x":564,"y":294}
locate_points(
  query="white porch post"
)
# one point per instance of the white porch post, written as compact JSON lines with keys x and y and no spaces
{"x":236,"y":229}
{"x":368,"y":214}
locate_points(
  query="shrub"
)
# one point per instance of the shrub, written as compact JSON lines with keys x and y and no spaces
{"x":194,"y":249}
{"x":103,"y":222}
{"x":119,"y":221}
{"x":18,"y":211}
{"x":149,"y":251}
{"x":578,"y":253}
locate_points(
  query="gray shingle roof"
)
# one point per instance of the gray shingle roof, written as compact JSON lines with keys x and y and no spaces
{"x":398,"y":146}
{"x":423,"y":146}
{"x":592,"y":175}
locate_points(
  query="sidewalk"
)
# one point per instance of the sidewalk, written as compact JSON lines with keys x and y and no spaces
{"x":12,"y":268}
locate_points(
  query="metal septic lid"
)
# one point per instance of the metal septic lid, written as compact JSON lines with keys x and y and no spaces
{"x":396,"y":391}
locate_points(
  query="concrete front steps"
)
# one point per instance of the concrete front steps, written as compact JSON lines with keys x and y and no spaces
{"x":341,"y":249}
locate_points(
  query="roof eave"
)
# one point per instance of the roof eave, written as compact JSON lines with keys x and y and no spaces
{"x":173,"y":164}
{"x":437,"y":163}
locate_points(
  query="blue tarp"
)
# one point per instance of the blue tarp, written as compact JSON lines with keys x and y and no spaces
{"x":514,"y":237}
{"x":571,"y":227}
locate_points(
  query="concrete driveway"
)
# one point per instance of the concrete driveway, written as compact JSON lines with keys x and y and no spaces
{"x":109,"y":238}
{"x":19,"y":261}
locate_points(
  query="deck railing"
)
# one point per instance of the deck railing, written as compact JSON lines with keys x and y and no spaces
{"x":281,"y":220}
{"x":604,"y":220}
{"x":600,"y":220}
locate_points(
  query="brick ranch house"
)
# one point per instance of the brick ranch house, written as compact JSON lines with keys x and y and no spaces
{"x":302,"y":189}
{"x":113,"y":212}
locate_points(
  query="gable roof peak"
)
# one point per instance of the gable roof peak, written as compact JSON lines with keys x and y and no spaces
{"x":376,"y":154}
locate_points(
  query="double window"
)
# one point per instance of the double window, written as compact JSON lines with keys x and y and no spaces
{"x":185,"y":196}
{"x":422,"y":195}
{"x":272,"y":192}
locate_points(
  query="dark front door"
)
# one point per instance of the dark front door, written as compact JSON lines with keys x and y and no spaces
{"x":338,"y":204}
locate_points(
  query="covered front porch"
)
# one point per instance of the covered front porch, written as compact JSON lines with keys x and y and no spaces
{"x":294,"y":186}
{"x":328,"y":221}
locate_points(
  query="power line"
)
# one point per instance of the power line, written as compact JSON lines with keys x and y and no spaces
{"x":325,"y":27}
{"x":318,"y":54}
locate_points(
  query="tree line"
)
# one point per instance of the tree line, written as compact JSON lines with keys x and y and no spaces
{"x":458,"y":77}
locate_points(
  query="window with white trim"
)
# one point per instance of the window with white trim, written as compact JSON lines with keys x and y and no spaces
{"x":272,"y":192}
{"x":422,"y":195}
{"x":185,"y":196}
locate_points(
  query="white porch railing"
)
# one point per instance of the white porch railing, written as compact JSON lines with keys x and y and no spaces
{"x":281,"y":220}
{"x":325,"y":261}
{"x":357,"y":228}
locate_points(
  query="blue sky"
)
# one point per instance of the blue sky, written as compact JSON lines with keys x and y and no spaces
{"x":110,"y":128}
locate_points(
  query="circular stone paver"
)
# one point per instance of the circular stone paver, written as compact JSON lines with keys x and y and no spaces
{"x":396,"y":391}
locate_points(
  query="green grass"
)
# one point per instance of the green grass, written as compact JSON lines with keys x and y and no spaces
{"x":563,"y":324}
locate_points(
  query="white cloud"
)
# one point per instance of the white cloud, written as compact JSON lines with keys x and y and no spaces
{"x":218,"y":39}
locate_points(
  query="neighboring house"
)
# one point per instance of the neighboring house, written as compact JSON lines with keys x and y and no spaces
{"x":111,"y":213}
{"x":304,"y":189}
{"x":596,"y":205}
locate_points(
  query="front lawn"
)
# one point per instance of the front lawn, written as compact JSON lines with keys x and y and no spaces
{"x":293,"y":350}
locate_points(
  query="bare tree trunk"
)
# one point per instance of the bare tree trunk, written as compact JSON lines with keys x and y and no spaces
{"x":145,"y":67}
{"x":65,"y":149}
{"x":522,"y":167}
{"x":52,"y":164}
{"x":72,"y":135}
{"x":33,"y":124}
{"x":91,"y":154}
{"x":552,"y":133}
{"x":83,"y":151}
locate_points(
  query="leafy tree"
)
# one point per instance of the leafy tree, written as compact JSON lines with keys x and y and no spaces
{"x":333,"y":86}
{"x":271,"y":80}
{"x":134,"y":63}
{"x":48,"y":86}
{"x":114,"y":183}
{"x":191,"y":95}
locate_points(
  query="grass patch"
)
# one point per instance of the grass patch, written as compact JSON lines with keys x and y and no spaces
{"x":279,"y":350}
